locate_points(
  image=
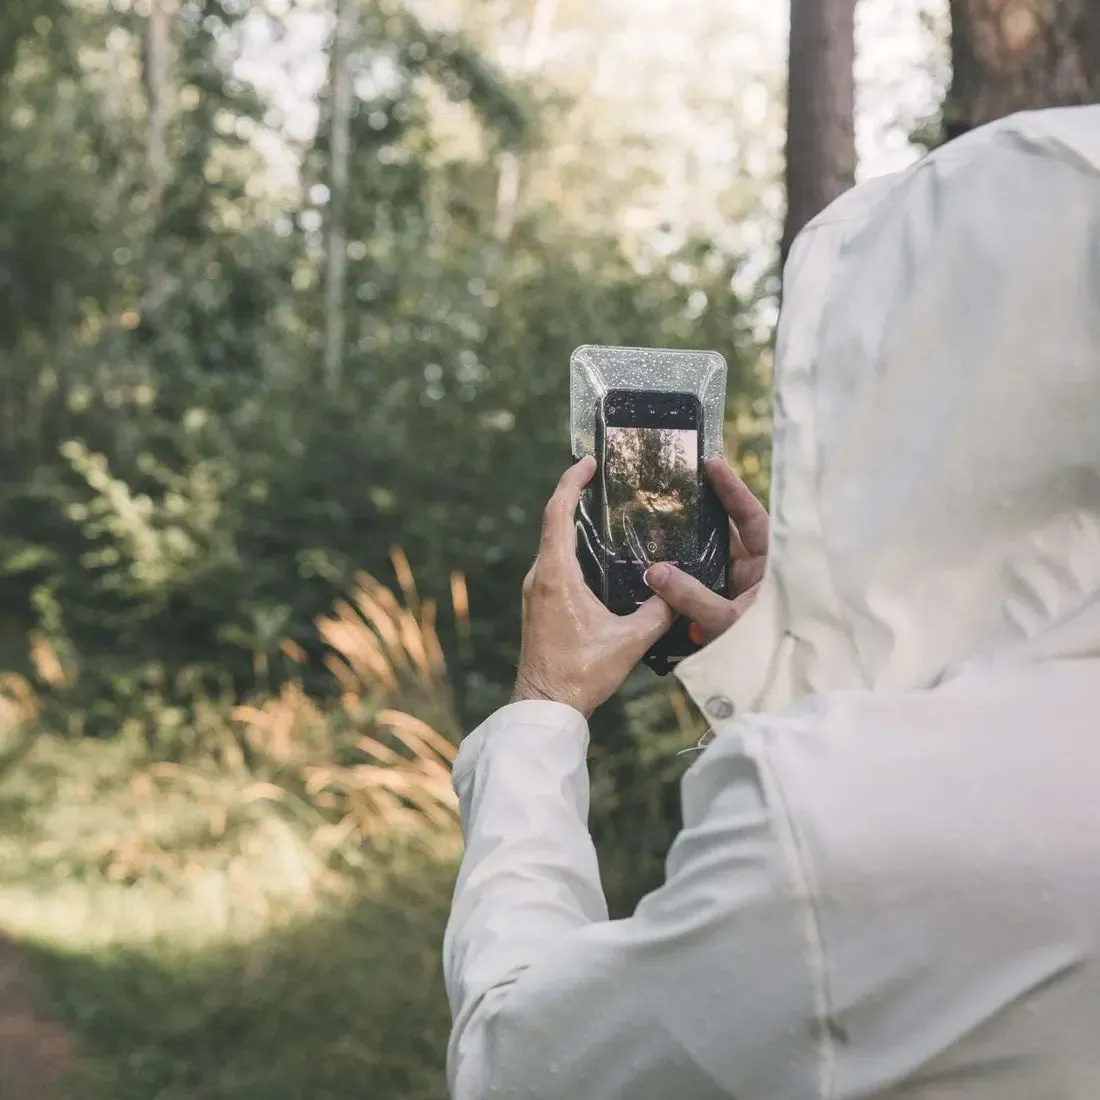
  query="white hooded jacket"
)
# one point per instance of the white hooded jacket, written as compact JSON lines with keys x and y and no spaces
{"x":888,"y":880}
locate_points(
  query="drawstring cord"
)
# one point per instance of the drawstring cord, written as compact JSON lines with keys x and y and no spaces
{"x":702,"y":744}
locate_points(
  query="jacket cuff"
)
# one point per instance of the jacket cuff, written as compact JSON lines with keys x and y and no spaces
{"x":528,"y":714}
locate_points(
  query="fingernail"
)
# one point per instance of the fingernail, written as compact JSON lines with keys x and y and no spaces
{"x":695,"y":633}
{"x":655,"y":574}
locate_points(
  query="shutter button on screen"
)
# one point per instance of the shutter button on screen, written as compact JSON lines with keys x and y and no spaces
{"x":719,"y":706}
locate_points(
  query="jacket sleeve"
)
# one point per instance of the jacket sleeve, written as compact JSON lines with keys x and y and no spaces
{"x":704,"y":993}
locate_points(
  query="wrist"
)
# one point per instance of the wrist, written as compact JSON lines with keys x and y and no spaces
{"x":531,"y":689}
{"x":527,"y":690}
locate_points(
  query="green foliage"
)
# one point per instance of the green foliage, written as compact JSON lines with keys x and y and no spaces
{"x":183,"y":493}
{"x":347,"y":1004}
{"x":199,"y":955}
{"x":180,"y":488}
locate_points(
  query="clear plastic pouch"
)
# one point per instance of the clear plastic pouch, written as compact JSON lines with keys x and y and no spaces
{"x":652,"y":418}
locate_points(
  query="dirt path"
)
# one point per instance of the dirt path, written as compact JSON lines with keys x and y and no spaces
{"x":34,"y":1052}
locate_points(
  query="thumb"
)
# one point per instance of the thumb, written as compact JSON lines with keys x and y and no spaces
{"x":691,"y":598}
{"x":649,"y":624}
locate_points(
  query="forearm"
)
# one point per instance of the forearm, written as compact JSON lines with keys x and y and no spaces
{"x":529,"y":876}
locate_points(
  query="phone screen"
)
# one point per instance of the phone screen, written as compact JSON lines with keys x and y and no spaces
{"x":652,"y":493}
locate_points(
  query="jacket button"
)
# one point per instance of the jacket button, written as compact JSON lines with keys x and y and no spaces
{"x":719,"y":706}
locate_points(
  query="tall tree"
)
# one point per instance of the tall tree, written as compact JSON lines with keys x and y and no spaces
{"x":1014,"y":55}
{"x":157,"y":46}
{"x":821,"y":138}
{"x":342,"y":94}
{"x":156,"y":67}
{"x":510,"y":167}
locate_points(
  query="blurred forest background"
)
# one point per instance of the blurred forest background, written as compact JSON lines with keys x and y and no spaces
{"x":288,"y":290}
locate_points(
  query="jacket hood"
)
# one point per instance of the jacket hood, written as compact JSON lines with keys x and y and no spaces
{"x":936,"y":487}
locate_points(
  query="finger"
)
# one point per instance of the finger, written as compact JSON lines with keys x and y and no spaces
{"x":746,"y":574}
{"x":749,"y":516}
{"x":738,"y":607}
{"x":744,"y":602}
{"x":648,"y":625}
{"x":689,"y":597}
{"x":559,"y":532}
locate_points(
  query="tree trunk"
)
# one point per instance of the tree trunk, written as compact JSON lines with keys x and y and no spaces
{"x":821,"y":132}
{"x":510,"y":166}
{"x":1016,"y":55}
{"x":158,"y":78}
{"x":341,"y":93}
{"x":158,"y":31}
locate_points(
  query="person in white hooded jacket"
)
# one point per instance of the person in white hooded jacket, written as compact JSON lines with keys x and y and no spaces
{"x":887,"y":884}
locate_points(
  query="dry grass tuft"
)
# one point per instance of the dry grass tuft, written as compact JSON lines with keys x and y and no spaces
{"x":380,"y":762}
{"x":301,"y":782}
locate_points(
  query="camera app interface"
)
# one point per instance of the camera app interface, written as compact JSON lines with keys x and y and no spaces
{"x":652,"y":493}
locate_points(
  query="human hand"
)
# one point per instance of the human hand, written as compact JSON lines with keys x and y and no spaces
{"x":710,"y":613}
{"x":574,"y":649}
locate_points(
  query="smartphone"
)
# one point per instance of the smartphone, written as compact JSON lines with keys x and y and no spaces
{"x":650,"y":503}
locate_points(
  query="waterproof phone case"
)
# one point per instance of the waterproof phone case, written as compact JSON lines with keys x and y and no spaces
{"x":651,"y":418}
